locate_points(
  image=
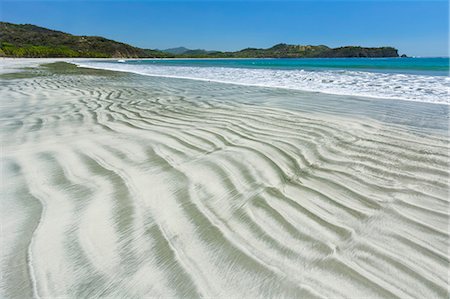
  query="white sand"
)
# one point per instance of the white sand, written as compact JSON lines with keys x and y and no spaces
{"x":144,"y":187}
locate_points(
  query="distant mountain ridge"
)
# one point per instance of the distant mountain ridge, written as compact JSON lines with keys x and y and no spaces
{"x":34,"y":41}
{"x":186,"y":51}
{"x":177,"y":50}
{"x":321,"y":51}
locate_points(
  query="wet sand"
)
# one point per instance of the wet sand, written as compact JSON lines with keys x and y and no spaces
{"x":120,"y":185}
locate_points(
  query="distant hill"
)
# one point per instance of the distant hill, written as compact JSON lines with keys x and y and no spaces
{"x":289,"y":51}
{"x":187,"y":52}
{"x":34,"y":41}
{"x":299,"y":51}
{"x":178,"y":50}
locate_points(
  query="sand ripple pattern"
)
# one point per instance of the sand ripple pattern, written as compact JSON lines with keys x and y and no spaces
{"x":146,"y":187}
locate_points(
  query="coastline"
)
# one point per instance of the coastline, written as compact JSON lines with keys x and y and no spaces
{"x":351,"y":82}
{"x":437,"y":97}
{"x":340,"y":98}
{"x":328,"y":81}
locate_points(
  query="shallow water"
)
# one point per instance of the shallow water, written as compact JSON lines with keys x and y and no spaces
{"x":137,"y":186}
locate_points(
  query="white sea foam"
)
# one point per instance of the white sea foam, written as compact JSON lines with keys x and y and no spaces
{"x":422,"y":88}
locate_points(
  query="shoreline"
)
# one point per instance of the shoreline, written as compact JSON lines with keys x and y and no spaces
{"x":334,"y":92}
{"x":35,"y":62}
{"x":364,"y":103}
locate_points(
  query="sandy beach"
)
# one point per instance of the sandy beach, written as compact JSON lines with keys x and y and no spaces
{"x":120,"y":185}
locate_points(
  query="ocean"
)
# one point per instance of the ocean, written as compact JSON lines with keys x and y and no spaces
{"x":416,"y":79}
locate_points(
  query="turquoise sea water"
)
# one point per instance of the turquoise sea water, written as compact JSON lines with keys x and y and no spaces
{"x":431,"y":66}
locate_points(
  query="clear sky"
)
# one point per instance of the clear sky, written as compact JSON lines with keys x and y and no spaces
{"x":417,"y":28}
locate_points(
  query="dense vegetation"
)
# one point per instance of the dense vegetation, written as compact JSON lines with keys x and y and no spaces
{"x":33,"y":41}
{"x":296,"y":51}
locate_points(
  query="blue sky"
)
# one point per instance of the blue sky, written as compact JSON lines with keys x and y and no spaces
{"x":417,"y":28}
